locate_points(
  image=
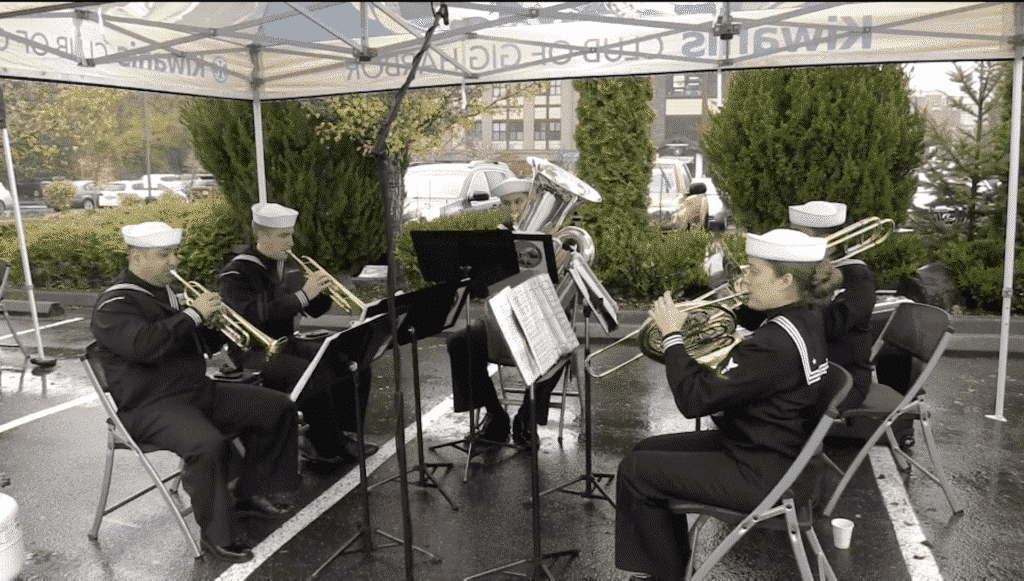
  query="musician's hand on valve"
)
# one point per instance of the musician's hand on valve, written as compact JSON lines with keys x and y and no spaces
{"x":666,"y":316}
{"x":316,"y":282}
{"x":207,"y":304}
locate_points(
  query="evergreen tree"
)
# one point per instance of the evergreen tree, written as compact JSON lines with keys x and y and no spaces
{"x":334,"y":188}
{"x":788,"y":136}
{"x":614,"y":118}
{"x":964,"y":159}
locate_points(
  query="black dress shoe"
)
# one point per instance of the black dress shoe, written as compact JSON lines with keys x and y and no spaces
{"x":308,"y":453}
{"x":233,"y":553}
{"x":261,"y":507}
{"x":350,"y":447}
{"x":495,"y":427}
{"x":522,"y":435}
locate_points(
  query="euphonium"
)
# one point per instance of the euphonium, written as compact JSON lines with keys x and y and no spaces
{"x":239,"y":331}
{"x":344,"y":298}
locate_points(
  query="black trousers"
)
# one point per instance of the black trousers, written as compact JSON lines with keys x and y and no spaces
{"x":200,"y":427}
{"x":467,"y":353}
{"x":328,"y":401}
{"x":693,"y":466}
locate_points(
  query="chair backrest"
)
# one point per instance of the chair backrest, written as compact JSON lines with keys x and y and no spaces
{"x":98,"y":379}
{"x":916,"y":330}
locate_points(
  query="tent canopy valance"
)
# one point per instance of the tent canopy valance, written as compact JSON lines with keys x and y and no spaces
{"x":299,"y":50}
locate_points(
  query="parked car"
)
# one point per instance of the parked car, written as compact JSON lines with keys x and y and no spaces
{"x":718,"y":212}
{"x":87,"y":195}
{"x":199,"y":184}
{"x":667,"y":193}
{"x":449,"y":188}
{"x":6,"y":200}
{"x":164,"y":181}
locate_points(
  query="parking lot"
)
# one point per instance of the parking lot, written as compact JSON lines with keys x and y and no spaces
{"x":52,"y":446}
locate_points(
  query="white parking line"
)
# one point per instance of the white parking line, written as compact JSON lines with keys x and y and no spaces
{"x":920,"y":561}
{"x":50,"y":326}
{"x":329,"y":498}
{"x":47,"y":412}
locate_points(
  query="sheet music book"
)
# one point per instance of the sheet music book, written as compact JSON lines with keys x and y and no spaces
{"x":594,"y":293}
{"x":533,"y":324}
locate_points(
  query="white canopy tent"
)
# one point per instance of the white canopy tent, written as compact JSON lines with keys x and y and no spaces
{"x":288,"y":50}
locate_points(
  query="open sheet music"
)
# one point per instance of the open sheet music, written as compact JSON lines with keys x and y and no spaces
{"x":533,"y":324}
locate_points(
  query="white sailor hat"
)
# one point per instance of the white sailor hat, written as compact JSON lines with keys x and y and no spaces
{"x":818,"y":214}
{"x":784,"y":245}
{"x":274,"y":215}
{"x":151,"y":235}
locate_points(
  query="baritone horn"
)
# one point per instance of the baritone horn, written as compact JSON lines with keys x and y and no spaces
{"x":344,"y":298}
{"x":709,"y":334}
{"x":242,"y":333}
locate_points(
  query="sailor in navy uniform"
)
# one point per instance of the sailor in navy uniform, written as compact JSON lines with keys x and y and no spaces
{"x":270,"y":290}
{"x":761,"y":396}
{"x":152,"y":350}
{"x":848,"y":316}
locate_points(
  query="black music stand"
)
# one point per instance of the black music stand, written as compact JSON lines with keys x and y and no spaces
{"x":362,"y":344}
{"x":485,"y":257}
{"x":537,"y":558}
{"x":427,"y":312}
{"x":592,"y":480}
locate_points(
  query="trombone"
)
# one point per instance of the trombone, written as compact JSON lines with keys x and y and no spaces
{"x":239,"y":331}
{"x":344,"y":298}
{"x":861,"y":236}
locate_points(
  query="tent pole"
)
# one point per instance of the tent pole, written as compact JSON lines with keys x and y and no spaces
{"x":1010,"y":246}
{"x":41,"y":359}
{"x":257,"y":120}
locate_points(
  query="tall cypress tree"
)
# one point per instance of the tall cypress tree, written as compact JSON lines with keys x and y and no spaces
{"x":788,"y":136}
{"x":334,"y":187}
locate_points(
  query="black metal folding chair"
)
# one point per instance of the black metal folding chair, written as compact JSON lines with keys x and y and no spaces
{"x":792,"y":505}
{"x":921,"y":332}
{"x":119,"y":439}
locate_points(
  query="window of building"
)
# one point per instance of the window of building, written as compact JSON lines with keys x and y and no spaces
{"x":507,"y":134}
{"x":547,"y":118}
{"x":507,"y":119}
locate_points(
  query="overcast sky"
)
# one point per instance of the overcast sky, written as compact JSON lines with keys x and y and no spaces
{"x":932,"y":76}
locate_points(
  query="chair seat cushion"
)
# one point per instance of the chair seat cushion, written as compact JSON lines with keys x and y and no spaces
{"x":881,"y":400}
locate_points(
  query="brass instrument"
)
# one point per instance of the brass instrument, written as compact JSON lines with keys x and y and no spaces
{"x":861,"y":236}
{"x":709,"y":333}
{"x":239,"y":331}
{"x":344,"y":298}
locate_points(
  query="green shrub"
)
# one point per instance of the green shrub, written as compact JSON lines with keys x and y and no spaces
{"x":130,"y":199}
{"x":86,"y":250}
{"x":59,"y":195}
{"x":897,"y":258}
{"x":977,"y":268}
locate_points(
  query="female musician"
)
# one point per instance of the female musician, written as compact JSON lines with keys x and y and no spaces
{"x":761,"y":395}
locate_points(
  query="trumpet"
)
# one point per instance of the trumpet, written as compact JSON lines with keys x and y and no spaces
{"x":239,"y":331}
{"x":709,"y":333}
{"x":344,"y":298}
{"x":861,"y":236}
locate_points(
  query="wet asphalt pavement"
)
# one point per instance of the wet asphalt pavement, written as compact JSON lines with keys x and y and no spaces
{"x":54,"y":459}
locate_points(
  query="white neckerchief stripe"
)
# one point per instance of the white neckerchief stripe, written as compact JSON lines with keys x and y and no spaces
{"x":813,"y":376}
{"x":127,"y":286}
{"x":250,"y":258}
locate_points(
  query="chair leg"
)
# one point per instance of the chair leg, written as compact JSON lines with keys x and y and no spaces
{"x":796,"y":540}
{"x":694,"y":535}
{"x":173,"y":489}
{"x":101,"y":505}
{"x":933,"y":453}
{"x":857,"y":461}
{"x":825,"y":572}
{"x":173,"y":506}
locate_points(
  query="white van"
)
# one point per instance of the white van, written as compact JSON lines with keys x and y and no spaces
{"x":449,"y":188}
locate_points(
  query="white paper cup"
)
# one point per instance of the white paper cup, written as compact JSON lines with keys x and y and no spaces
{"x":842,"y":532}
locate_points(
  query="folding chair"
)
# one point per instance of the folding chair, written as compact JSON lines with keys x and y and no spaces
{"x":792,"y":505}
{"x":119,"y":439}
{"x":5,"y":272}
{"x":921,"y":332}
{"x":569,"y":375}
